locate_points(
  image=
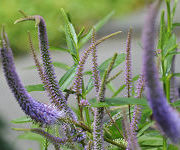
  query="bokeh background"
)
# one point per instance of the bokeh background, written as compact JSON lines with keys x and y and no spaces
{"x":128,"y":13}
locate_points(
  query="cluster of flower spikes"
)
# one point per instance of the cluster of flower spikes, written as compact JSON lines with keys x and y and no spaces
{"x":98,"y":140}
{"x":39,"y":112}
{"x":167,"y":118}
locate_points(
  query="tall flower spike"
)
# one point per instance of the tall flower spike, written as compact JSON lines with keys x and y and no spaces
{"x":131,"y":138}
{"x":47,"y":63}
{"x":39,"y":112}
{"x":79,"y":72}
{"x":99,"y":112}
{"x":166,"y":117}
{"x":128,"y":69}
{"x":137,"y":108}
{"x":95,"y":71}
{"x":59,"y":99}
{"x":40,"y":71}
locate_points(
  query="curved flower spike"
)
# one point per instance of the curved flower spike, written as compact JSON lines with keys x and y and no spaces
{"x":39,"y":112}
{"x":60,"y":100}
{"x":167,"y":118}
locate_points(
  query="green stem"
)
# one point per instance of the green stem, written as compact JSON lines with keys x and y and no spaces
{"x":164,"y":143}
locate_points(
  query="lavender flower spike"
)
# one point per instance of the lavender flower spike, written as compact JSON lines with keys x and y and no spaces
{"x":60,"y":100}
{"x":39,"y":112}
{"x":167,"y":118}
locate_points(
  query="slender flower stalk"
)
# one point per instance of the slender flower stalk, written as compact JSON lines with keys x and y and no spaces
{"x":166,"y":117}
{"x":40,"y":70}
{"x":99,"y":112}
{"x":133,"y":126}
{"x":128,"y":69}
{"x":38,"y":111}
{"x":137,"y":108}
{"x":129,"y":134}
{"x":128,"y":66}
{"x":95,"y":71}
{"x":79,"y":72}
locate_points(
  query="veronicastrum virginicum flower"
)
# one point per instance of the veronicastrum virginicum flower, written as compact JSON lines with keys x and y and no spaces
{"x":166,"y":117}
{"x":38,"y":111}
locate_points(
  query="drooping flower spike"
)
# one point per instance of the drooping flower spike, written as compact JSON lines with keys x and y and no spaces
{"x":59,"y":98}
{"x":38,"y":111}
{"x":166,"y":117}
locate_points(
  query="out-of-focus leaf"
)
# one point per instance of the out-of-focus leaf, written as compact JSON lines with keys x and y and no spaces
{"x":123,"y":86}
{"x":67,"y":78}
{"x":71,"y":37}
{"x":52,"y":48}
{"x":56,"y":64}
{"x":36,"y":87}
{"x":24,"y":119}
{"x":97,"y":26}
{"x":31,"y":136}
{"x":144,"y":128}
{"x":61,"y":65}
{"x":177,"y":24}
{"x":119,"y":101}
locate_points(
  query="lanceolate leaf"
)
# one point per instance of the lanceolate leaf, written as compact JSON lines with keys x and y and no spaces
{"x":119,"y":101}
{"x":36,"y":87}
{"x":24,"y":119}
{"x":97,"y":26}
{"x":66,"y":79}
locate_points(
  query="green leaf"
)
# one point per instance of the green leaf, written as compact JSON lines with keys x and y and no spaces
{"x":67,"y":78}
{"x":145,"y":128}
{"x":120,"y":58}
{"x":173,"y":52}
{"x":31,"y":136}
{"x":36,"y":87}
{"x":56,"y":64}
{"x":162,"y":34}
{"x":97,"y":26}
{"x":111,"y":87}
{"x":81,"y":33}
{"x":61,"y":65}
{"x":177,"y":24}
{"x":58,"y":49}
{"x":118,"y":101}
{"x":23,"y":119}
{"x":124,"y":85}
{"x":174,"y":9}
{"x":71,"y":37}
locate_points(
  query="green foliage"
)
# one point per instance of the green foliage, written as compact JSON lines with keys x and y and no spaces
{"x":147,"y":134}
{"x":81,"y":10}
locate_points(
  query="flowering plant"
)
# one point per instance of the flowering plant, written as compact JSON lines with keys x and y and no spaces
{"x":129,"y":125}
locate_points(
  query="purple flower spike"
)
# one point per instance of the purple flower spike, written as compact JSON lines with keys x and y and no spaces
{"x":39,"y":112}
{"x":167,"y":118}
{"x":128,"y":68}
{"x":95,"y":71}
{"x":60,"y":100}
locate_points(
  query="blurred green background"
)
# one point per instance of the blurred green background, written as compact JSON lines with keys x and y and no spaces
{"x":83,"y":13}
